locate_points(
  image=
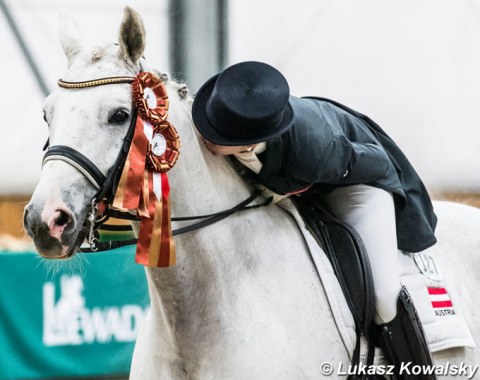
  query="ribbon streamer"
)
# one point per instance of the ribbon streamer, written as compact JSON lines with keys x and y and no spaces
{"x":144,"y":186}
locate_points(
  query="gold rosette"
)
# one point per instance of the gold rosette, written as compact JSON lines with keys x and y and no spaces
{"x":163,"y":151}
{"x":150,"y":98}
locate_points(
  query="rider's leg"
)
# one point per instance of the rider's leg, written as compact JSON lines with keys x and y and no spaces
{"x":370,"y":211}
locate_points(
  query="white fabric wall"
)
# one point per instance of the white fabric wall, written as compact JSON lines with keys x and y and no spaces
{"x":411,"y":65}
{"x":22,"y":130}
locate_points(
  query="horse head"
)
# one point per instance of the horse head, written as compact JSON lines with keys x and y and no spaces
{"x":91,"y":120}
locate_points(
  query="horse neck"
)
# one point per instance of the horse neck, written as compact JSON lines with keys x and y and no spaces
{"x":200,"y":183}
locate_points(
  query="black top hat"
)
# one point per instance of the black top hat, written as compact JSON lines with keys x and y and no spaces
{"x":245,"y":104}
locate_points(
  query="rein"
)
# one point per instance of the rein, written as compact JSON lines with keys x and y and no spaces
{"x":207,"y":220}
{"x":106,"y":185}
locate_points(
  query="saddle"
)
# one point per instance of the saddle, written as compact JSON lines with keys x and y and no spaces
{"x":348,"y":257}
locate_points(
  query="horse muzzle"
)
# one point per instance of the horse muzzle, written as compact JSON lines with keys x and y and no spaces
{"x":53,"y":231}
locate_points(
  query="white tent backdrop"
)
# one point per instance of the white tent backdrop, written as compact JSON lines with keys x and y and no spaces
{"x":23,"y":132}
{"x":411,"y":65}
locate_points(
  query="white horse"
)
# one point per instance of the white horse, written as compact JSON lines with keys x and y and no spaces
{"x":244,"y":299}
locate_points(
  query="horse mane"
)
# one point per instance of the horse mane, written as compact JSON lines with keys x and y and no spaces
{"x":180,"y":87}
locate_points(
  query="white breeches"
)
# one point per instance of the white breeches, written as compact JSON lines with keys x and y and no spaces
{"x":370,"y":211}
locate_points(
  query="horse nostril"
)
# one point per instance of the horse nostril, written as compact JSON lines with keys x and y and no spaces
{"x":62,"y":219}
{"x":25,"y":215}
{"x":26,"y":225}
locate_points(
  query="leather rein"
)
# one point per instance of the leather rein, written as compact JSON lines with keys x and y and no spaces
{"x":106,"y":185}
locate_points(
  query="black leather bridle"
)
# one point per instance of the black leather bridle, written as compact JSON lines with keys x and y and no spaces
{"x":107,"y":184}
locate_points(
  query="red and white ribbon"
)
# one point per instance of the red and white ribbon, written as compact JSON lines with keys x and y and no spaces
{"x":143,"y":186}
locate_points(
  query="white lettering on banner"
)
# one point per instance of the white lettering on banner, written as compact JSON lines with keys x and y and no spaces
{"x":68,"y":322}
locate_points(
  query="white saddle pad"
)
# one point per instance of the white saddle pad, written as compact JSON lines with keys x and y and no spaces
{"x":436,"y":302}
{"x":435,"y":299}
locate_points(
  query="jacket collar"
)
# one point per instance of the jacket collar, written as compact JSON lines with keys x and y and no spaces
{"x":272,"y":160}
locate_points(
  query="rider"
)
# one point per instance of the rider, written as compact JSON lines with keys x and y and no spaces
{"x":311,"y":145}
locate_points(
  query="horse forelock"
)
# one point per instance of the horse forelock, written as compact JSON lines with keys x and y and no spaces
{"x":97,"y":54}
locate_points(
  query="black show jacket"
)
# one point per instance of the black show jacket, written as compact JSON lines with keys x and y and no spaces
{"x":330,"y":145}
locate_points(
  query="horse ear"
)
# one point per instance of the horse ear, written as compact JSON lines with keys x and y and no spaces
{"x":132,"y":36}
{"x":70,"y":36}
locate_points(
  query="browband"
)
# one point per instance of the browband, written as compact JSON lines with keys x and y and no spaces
{"x":95,"y":82}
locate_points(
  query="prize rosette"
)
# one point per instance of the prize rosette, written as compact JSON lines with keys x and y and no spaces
{"x":150,"y":97}
{"x":151,"y":100}
{"x":163,"y":150}
{"x":144,"y":185}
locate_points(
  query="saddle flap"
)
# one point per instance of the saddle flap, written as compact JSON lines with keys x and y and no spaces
{"x":348,"y":257}
{"x":354,"y":269}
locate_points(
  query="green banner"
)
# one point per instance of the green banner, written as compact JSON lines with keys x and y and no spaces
{"x":79,"y":318}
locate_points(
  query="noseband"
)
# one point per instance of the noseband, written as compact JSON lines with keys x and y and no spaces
{"x":106,"y":184}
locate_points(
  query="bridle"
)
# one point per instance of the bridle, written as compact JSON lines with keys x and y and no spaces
{"x":106,"y":184}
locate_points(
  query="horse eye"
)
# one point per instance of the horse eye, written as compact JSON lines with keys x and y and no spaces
{"x":118,"y":117}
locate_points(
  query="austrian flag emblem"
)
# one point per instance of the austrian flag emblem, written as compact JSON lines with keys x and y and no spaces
{"x":441,"y":302}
